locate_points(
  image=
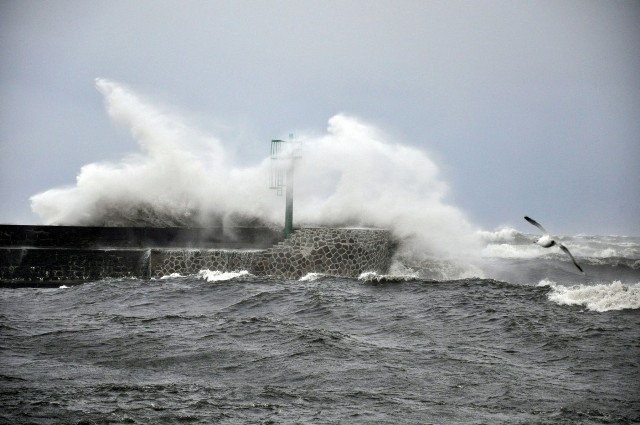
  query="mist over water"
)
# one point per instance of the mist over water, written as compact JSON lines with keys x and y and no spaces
{"x":354,"y":175}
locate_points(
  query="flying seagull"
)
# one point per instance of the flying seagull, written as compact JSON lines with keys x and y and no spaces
{"x":546,"y":242}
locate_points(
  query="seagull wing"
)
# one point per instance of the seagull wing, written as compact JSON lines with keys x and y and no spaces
{"x":538,"y":225}
{"x":566,"y":250}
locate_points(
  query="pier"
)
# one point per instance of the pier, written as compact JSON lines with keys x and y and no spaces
{"x":57,"y":255}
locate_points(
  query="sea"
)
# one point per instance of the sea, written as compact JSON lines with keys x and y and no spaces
{"x":527,"y":340}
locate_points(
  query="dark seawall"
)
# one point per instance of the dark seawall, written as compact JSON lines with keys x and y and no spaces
{"x":55,"y":255}
{"x":81,"y":237}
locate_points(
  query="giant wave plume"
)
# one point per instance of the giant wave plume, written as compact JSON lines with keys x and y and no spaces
{"x":353,"y":175}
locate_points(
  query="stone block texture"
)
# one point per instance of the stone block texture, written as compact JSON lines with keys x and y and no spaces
{"x":341,"y":252}
{"x":164,"y":262}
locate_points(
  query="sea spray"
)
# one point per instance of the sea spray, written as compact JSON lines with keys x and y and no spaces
{"x":371,"y":181}
{"x":180,"y":177}
{"x":352,"y":175}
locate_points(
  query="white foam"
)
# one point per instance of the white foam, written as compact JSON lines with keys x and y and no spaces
{"x":376,"y":277}
{"x":505,"y":250}
{"x":600,"y":297}
{"x":171,"y":276}
{"x":504,"y":234}
{"x":616,"y":251}
{"x":430,"y":268}
{"x":310,"y":277}
{"x":219,"y":276}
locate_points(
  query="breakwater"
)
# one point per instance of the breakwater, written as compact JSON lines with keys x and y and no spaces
{"x":53,"y":255}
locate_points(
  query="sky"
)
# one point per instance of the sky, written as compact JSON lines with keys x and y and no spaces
{"x":527,"y":107}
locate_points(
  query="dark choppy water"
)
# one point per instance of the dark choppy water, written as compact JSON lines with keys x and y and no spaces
{"x":331,"y":350}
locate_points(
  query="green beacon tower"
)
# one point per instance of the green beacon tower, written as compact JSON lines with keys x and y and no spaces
{"x":283,"y":158}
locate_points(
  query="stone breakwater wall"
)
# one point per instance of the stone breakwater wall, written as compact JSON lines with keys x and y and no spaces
{"x":48,"y":256}
{"x":342,"y":252}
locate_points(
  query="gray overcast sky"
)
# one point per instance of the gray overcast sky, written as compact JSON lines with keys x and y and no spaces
{"x":528,"y":107}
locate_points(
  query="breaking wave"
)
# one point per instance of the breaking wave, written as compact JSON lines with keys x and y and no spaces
{"x":508,"y":243}
{"x":599,"y":297}
{"x":219,"y":276}
{"x":503,"y":235}
{"x":312,"y":277}
{"x":376,"y":277}
{"x":354,"y":175}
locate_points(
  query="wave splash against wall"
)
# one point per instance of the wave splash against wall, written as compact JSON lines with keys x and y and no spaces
{"x":353,"y":175}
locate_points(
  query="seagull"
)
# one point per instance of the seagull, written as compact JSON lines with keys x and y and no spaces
{"x":546,"y":242}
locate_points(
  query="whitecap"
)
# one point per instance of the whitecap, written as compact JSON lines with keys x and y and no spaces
{"x":600,"y":297}
{"x":218,"y":276}
{"x":376,"y":277}
{"x":310,"y":277}
{"x":505,"y":250}
{"x":504,"y":234}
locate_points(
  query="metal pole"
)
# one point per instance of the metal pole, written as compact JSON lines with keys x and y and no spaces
{"x":288,"y":214}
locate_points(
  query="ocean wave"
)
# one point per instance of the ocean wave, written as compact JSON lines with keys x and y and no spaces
{"x":505,"y":250}
{"x":632,"y":252}
{"x":629,"y":263}
{"x":504,"y":234}
{"x":610,"y":250}
{"x":599,"y":297}
{"x":311,"y":277}
{"x":433,"y":269}
{"x":376,"y":277}
{"x":219,"y":276}
{"x":593,"y":252}
{"x":533,"y":252}
{"x":171,"y":276}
